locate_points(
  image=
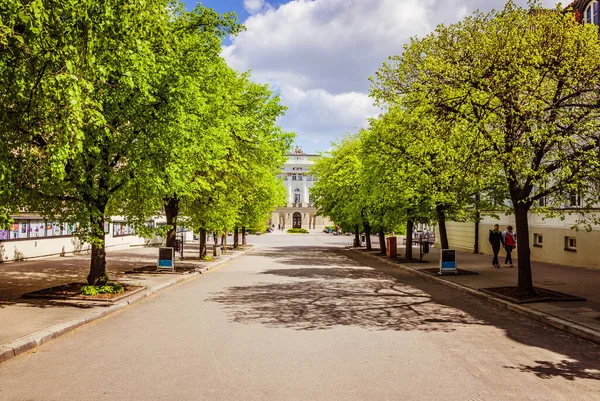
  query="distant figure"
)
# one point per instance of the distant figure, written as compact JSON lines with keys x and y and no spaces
{"x":427,"y":234}
{"x":496,"y":239}
{"x":279,"y":226}
{"x":415,"y":233}
{"x":510,"y":243}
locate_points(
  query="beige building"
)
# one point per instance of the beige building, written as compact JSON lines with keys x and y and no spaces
{"x":551,"y":240}
{"x":299,"y":211}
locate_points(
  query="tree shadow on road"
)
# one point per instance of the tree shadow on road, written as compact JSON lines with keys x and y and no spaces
{"x":566,"y":369}
{"x":334,"y":296}
{"x":332,"y":290}
{"x":306,"y":256}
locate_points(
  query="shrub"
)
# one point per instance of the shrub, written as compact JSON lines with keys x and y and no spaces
{"x":207,"y":258}
{"x":104,"y":287}
{"x":297,"y":231}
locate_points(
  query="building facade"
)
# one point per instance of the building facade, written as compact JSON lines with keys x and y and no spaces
{"x":32,"y":236}
{"x":586,"y":11}
{"x":298,"y":179}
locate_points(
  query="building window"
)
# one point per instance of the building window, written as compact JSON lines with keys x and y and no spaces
{"x":297,"y":195}
{"x":293,"y":177}
{"x":538,"y":240}
{"x":299,"y":177}
{"x":571,"y":244}
{"x":575,"y":200}
{"x":542,"y":202}
{"x":37,"y":229}
{"x":121,"y":228}
{"x":590,"y":15}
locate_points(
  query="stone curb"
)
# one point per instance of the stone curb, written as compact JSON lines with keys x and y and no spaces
{"x":556,"y":322}
{"x":26,"y":343}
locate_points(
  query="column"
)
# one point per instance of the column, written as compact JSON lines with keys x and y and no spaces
{"x":305,"y":190}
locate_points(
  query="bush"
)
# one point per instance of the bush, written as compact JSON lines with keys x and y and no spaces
{"x":297,"y":231}
{"x":104,"y":287}
{"x":207,"y":258}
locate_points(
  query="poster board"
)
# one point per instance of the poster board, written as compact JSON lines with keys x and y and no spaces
{"x":166,"y":258}
{"x":448,"y":261}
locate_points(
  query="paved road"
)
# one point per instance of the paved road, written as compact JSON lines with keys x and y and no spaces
{"x":298,"y":319}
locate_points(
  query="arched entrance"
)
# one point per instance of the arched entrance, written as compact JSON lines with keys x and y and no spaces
{"x":297,"y":220}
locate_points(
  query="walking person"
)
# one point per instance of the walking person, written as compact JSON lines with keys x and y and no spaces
{"x":496,"y":239}
{"x":510,"y":243}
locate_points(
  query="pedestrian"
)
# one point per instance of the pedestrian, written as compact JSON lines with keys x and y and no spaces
{"x":496,"y":239}
{"x":415,"y":233}
{"x":510,"y":243}
{"x":279,"y":226}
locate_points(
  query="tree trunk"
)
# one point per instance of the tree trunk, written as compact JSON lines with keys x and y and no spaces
{"x":202,"y":242}
{"x":244,"y":236}
{"x":172,"y":211}
{"x":224,"y":242}
{"x":98,"y":260}
{"x":476,"y":245}
{"x":524,"y":253}
{"x":477,"y":220}
{"x":409,"y":230}
{"x":382,"y":250}
{"x":368,"y":235}
{"x":356,"y":237}
{"x":236,"y":238}
{"x":441,"y":216}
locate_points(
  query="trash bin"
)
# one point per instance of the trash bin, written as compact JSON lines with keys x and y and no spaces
{"x":425,"y":247}
{"x":391,"y":247}
{"x":362,"y":238}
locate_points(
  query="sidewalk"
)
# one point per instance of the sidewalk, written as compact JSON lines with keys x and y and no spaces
{"x":26,"y":323}
{"x":580,"y":318}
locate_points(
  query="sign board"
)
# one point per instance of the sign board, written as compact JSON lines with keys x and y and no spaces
{"x":448,"y":261}
{"x":166,"y":258}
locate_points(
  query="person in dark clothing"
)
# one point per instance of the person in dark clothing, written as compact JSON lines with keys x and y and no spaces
{"x":496,"y":241}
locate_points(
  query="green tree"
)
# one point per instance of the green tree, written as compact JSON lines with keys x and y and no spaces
{"x":393,"y":197}
{"x":120,"y":41}
{"x":527,"y":81}
{"x":337,"y":193}
{"x":190,"y":118}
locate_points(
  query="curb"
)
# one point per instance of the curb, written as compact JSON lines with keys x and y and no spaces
{"x":28,"y":342}
{"x":556,"y":322}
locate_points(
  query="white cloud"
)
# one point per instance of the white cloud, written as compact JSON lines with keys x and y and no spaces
{"x":320,"y":53}
{"x":254,"y":6}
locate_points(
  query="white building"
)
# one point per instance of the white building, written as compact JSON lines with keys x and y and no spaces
{"x":299,"y":211}
{"x":32,"y":236}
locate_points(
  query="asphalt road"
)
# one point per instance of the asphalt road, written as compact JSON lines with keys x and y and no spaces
{"x":299,"y":319}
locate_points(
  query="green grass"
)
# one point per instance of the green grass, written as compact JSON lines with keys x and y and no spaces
{"x":297,"y":231}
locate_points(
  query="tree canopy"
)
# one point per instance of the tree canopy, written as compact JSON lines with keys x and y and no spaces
{"x":126,"y":108}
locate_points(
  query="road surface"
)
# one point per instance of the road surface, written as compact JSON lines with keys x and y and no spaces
{"x":301,"y":318}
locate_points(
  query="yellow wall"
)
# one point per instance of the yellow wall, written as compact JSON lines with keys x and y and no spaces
{"x":461,"y":236}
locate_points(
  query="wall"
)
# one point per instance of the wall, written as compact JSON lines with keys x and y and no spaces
{"x":11,"y":250}
{"x":553,"y":231}
{"x":461,"y":236}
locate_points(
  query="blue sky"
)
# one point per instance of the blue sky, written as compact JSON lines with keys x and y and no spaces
{"x":318,"y":54}
{"x":221,"y":6}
